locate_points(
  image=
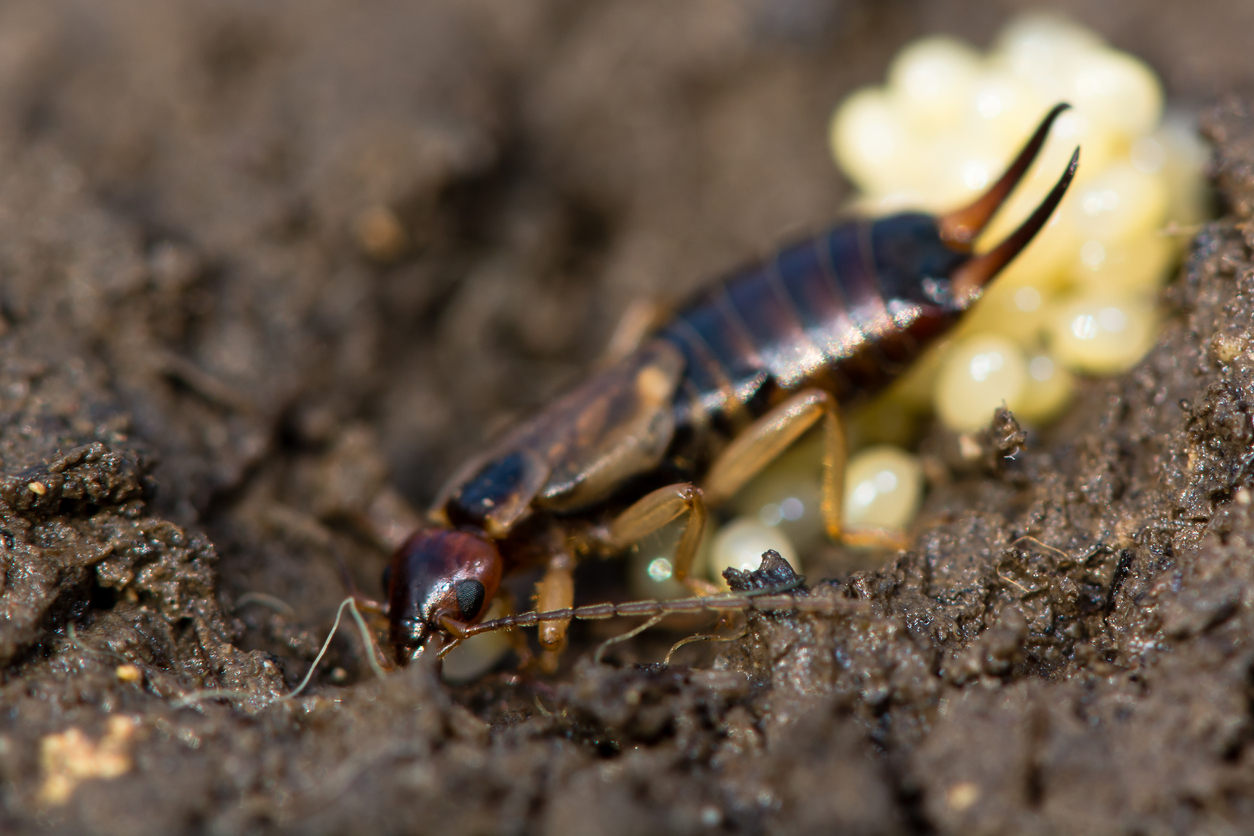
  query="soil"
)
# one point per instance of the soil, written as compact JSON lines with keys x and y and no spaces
{"x":268,"y":272}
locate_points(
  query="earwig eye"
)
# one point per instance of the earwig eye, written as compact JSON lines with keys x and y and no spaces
{"x":470,"y":595}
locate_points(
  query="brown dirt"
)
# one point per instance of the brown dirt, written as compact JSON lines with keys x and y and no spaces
{"x":264,"y":265}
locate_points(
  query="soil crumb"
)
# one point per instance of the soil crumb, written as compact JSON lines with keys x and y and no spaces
{"x":269,"y":272}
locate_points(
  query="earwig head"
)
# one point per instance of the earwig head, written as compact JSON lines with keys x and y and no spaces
{"x":439,"y":575}
{"x":928,"y":260}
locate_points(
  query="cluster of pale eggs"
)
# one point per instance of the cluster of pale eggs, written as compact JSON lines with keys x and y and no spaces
{"x":1081,"y":299}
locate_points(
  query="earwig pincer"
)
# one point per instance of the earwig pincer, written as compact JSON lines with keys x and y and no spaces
{"x":702,"y":404}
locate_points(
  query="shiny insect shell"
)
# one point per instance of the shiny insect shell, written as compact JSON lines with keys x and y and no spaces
{"x":696,"y":410}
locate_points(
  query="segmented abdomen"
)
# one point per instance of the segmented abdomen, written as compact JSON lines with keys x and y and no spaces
{"x":817,"y":313}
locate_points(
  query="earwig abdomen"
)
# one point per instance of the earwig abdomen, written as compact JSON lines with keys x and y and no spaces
{"x":846,"y":311}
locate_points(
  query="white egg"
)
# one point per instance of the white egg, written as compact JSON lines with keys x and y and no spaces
{"x":1120,"y":203}
{"x":1136,"y":265}
{"x":1004,"y":108}
{"x":1049,"y":390}
{"x":1102,"y":333}
{"x":1041,"y":46}
{"x":1190,"y":197}
{"x":931,"y":80}
{"x":870,"y":141}
{"x":978,"y":375}
{"x":1010,"y":309}
{"x":883,"y":486}
{"x":966,"y":166}
{"x":1117,"y":90}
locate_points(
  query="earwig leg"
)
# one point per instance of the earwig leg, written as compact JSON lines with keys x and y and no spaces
{"x":771,"y":435}
{"x":875,"y":538}
{"x":517,"y":640}
{"x":774,"y":433}
{"x":633,"y":326}
{"x":658,"y":509}
{"x":556,"y":591}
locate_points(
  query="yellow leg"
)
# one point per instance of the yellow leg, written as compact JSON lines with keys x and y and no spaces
{"x":775,"y":432}
{"x":658,"y":509}
{"x":771,"y":435}
{"x":556,"y":591}
{"x":634,"y":325}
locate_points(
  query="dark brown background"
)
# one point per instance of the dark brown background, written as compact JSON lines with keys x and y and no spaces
{"x":182,"y":284}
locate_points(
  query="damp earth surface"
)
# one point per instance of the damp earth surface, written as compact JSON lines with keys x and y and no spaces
{"x":268,"y":272}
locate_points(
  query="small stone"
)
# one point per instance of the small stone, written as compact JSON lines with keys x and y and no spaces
{"x":128,"y":673}
{"x":961,"y":796}
{"x":380,"y":234}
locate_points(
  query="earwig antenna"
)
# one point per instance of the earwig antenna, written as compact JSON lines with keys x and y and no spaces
{"x":271,"y":602}
{"x":351,"y":603}
{"x":769,"y":599}
{"x":960,"y":228}
{"x":237,"y":695}
{"x":774,"y":597}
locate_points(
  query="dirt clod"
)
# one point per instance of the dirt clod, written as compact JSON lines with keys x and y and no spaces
{"x":269,"y":272}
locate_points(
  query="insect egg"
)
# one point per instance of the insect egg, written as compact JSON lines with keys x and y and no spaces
{"x":869,"y":137}
{"x":1039,"y":47}
{"x":1123,"y":266}
{"x":930,"y":79}
{"x":1101,"y":333}
{"x":883,"y":485}
{"x":1118,"y":204}
{"x":1002,"y":108}
{"x":786,"y":495}
{"x":979,"y":374}
{"x":1049,"y":389}
{"x":1118,"y":88}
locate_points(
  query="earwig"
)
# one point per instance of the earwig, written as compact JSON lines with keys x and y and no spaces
{"x":695,"y":411}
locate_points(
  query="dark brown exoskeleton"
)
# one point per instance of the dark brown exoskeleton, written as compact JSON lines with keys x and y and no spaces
{"x":703,"y":404}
